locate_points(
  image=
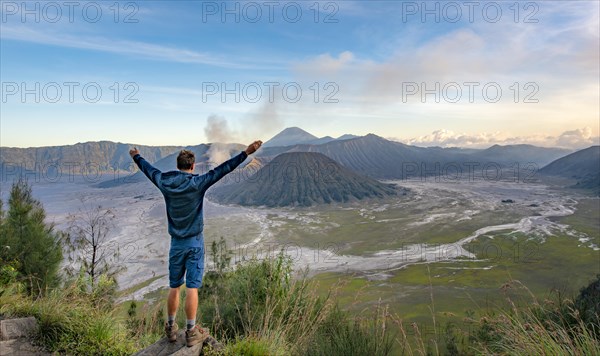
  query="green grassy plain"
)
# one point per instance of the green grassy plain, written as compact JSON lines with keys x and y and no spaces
{"x":462,"y":288}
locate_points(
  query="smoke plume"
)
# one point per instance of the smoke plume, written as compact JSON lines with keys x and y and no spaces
{"x":218,"y":133}
{"x":264,"y":121}
{"x":258,"y":125}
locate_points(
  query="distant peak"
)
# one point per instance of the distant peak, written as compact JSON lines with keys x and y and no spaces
{"x":293,"y":129}
{"x":290,"y":136}
{"x":346,"y":137}
{"x":373,"y":136}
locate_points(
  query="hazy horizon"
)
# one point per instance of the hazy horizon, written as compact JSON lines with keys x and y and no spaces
{"x":448,"y":143}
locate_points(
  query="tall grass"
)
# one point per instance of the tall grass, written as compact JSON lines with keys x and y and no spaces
{"x":259,"y":305}
{"x":341,"y":335}
{"x":530,"y":327}
{"x":146,"y":324}
{"x":71,"y":319}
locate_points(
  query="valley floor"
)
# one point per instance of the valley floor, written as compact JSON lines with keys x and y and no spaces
{"x":475,"y":236}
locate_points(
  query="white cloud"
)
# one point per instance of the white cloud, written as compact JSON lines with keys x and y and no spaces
{"x":325,"y":63}
{"x":23,"y":33}
{"x":123,"y":47}
{"x":574,"y":139}
{"x":577,"y":138}
{"x":554,"y":59}
{"x":559,"y":55}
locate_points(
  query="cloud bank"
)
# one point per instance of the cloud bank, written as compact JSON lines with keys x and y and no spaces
{"x":573,"y":139}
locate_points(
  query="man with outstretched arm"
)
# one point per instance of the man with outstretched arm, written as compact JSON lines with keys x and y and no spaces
{"x":184,"y":194}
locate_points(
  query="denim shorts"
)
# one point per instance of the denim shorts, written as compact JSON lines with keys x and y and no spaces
{"x":188,"y":261}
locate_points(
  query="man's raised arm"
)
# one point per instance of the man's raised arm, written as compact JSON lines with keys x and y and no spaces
{"x":152,"y":173}
{"x":214,"y":175}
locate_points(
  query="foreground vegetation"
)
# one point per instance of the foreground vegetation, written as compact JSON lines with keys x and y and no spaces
{"x":256,"y":309}
{"x":259,"y":309}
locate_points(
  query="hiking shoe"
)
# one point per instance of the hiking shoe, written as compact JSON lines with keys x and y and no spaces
{"x":195,"y":336}
{"x":171,"y":331}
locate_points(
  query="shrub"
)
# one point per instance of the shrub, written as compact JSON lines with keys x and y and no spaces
{"x":235,"y":301}
{"x":8,"y":273}
{"x":264,"y":310}
{"x":251,"y":347}
{"x":587,"y":305}
{"x":340,"y":334}
{"x":145,"y":325}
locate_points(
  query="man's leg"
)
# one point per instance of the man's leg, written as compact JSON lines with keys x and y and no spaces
{"x":172,"y":305}
{"x":173,"y":302}
{"x":191,"y":306}
{"x":176,"y":274}
{"x":193,"y":280}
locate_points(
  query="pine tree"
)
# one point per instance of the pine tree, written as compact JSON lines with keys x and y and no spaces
{"x":3,"y":246}
{"x":27,"y":239}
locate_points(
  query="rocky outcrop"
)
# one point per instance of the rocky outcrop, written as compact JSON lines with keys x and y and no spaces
{"x":178,"y":348}
{"x":15,"y":337}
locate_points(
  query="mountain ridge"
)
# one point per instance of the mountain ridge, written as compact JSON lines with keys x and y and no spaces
{"x":582,"y":166}
{"x":369,"y":155}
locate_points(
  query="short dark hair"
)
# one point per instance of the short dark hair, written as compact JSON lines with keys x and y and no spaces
{"x":185,"y":160}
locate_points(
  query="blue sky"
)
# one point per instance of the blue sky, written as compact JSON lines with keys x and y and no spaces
{"x":370,"y":59}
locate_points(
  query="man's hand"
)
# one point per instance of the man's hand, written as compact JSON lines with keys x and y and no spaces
{"x":253,"y":147}
{"x":134,"y":152}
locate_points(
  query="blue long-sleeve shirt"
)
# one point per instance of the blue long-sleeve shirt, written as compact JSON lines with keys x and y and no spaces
{"x":184,"y":196}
